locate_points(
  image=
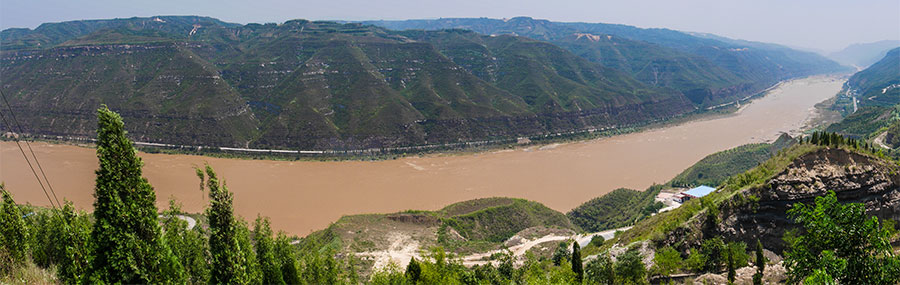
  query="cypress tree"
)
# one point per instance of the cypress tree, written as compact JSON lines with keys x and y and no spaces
{"x":13,"y":235}
{"x":730,"y":263}
{"x":413,"y":271}
{"x":265,"y":252}
{"x":127,"y":243}
{"x":576,"y":262}
{"x":760,"y":264}
{"x":232,"y":260}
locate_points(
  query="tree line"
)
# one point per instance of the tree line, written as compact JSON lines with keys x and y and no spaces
{"x":127,"y":240}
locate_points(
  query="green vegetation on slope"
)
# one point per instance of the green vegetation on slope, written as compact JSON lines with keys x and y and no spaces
{"x":708,"y":69}
{"x":624,"y":207}
{"x":659,"y":225}
{"x":879,"y":84}
{"x":312,"y":85}
{"x":498,"y":219}
{"x":468,"y":226}
{"x":619,"y":208}
{"x":892,"y":138}
{"x":866,"y":122}
{"x":713,"y":169}
{"x":333,"y":86}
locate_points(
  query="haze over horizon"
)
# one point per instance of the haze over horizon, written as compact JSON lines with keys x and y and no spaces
{"x":816,"y":25}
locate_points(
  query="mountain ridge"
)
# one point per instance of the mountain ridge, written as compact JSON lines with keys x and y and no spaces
{"x":318,"y":85}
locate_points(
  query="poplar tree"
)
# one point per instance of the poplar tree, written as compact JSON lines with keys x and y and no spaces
{"x":232,"y":258}
{"x":127,"y":244}
{"x":760,"y":264}
{"x":576,"y":262}
{"x":730,"y":264}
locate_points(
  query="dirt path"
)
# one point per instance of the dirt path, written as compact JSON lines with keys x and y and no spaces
{"x":402,"y":249}
{"x":520,"y":249}
{"x":879,"y":140}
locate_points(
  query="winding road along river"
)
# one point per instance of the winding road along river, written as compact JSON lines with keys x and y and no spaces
{"x":301,"y":197}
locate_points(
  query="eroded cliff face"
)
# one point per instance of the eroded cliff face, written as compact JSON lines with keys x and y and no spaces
{"x":761,"y":212}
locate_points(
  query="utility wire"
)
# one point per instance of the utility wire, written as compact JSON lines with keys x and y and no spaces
{"x":5,"y":122}
{"x":36,"y":161}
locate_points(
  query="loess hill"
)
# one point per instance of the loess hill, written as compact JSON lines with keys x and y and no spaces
{"x":326,"y":85}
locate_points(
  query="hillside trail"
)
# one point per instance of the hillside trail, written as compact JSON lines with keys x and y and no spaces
{"x":879,"y":140}
{"x":403,"y":248}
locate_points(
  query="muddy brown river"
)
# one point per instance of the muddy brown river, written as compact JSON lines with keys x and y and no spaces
{"x":301,"y":197}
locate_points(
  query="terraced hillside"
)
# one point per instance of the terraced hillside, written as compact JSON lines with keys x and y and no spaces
{"x":708,"y":69}
{"x":326,"y":85}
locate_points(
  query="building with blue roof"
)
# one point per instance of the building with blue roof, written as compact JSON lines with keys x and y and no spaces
{"x":696,"y":192}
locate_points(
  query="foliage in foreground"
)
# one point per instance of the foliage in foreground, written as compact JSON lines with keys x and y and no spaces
{"x":124,"y":243}
{"x":840,"y":242}
{"x":126,"y":239}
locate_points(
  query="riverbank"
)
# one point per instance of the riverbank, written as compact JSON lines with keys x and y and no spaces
{"x":303,"y":196}
{"x":461,"y":148}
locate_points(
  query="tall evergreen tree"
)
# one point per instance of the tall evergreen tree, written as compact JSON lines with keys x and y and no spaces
{"x":265,"y":252}
{"x":127,"y":244}
{"x":13,"y":234}
{"x":576,"y":262}
{"x":232,"y":259}
{"x":760,"y":264}
{"x":730,"y":264}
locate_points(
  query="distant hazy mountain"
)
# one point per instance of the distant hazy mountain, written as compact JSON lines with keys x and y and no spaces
{"x":879,"y":84}
{"x":326,"y":85}
{"x":863,"y":55}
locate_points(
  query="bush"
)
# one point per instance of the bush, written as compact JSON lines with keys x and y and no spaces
{"x":561,"y":253}
{"x":13,"y":234}
{"x":600,"y":271}
{"x":630,"y":268}
{"x":840,"y":241}
{"x":597,"y":240}
{"x":714,"y":251}
{"x":696,"y":261}
{"x":667,"y":261}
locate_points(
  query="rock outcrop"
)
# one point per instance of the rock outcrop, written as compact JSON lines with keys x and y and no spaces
{"x":761,"y":212}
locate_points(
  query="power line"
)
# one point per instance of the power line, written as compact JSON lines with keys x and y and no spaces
{"x":16,"y":139}
{"x":36,"y":161}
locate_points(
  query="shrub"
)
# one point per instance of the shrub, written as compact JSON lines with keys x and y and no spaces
{"x":13,"y":234}
{"x":667,"y":261}
{"x":630,"y":268}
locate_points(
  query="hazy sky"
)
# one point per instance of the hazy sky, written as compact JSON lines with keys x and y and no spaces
{"x":817,"y":24}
